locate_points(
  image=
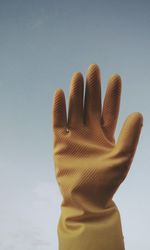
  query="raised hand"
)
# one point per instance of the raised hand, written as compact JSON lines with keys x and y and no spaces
{"x":89,"y":164}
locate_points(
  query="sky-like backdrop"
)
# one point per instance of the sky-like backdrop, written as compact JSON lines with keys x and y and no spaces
{"x":42,"y":43}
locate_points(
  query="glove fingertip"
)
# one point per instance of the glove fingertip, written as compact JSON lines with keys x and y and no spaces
{"x":138,"y":118}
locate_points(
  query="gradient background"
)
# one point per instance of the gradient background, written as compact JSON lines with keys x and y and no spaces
{"x":41,"y":44}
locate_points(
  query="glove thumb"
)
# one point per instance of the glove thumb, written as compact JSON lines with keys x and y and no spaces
{"x":130,"y":133}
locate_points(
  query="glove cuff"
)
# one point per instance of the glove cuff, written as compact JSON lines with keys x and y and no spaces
{"x":79,"y":230}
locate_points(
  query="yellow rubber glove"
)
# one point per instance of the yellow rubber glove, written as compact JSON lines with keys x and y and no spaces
{"x":89,"y":165}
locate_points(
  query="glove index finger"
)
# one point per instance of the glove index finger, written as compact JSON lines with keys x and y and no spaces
{"x":111,"y":105}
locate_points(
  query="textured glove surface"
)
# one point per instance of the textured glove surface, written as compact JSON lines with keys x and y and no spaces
{"x":89,"y":164}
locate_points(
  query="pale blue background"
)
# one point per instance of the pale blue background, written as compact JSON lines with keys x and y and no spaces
{"x":41,"y":44}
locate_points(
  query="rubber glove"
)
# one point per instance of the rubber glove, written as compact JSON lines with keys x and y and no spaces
{"x":89,"y":164}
